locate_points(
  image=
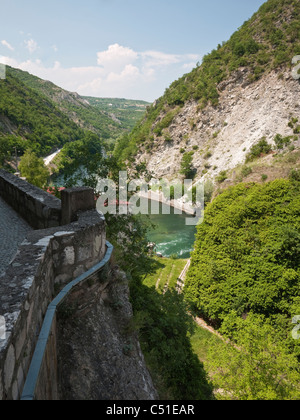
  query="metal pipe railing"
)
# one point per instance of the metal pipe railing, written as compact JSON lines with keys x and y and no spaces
{"x":29,"y":388}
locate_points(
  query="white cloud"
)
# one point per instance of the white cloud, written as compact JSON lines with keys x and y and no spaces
{"x":7,"y":45}
{"x":129,"y":72}
{"x":116,"y":57}
{"x":159,"y":59}
{"x":118,"y":72}
{"x":31,"y":45}
{"x":9,"y":61}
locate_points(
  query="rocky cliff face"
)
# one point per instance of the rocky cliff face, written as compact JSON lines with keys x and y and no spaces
{"x":220,"y":137}
{"x":99,"y":356}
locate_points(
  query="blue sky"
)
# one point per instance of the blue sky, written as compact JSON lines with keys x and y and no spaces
{"x":116,"y":48}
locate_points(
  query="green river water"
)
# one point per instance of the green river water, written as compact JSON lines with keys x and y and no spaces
{"x":171,"y":234}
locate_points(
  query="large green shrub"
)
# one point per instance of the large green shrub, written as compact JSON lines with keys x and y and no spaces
{"x":247,"y":252}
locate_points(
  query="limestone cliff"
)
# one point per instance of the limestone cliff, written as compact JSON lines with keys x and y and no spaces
{"x":244,"y":90}
{"x":220,"y":137}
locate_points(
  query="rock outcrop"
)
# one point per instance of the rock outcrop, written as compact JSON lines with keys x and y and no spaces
{"x":221,"y":136}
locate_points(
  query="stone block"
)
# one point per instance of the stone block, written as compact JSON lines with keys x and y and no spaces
{"x":69,"y":255}
{"x":74,"y":200}
{"x":20,"y":342}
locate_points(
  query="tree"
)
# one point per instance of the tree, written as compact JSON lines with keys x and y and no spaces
{"x":186,"y":168}
{"x":83,"y":162}
{"x":256,"y":364}
{"x":33,"y":169}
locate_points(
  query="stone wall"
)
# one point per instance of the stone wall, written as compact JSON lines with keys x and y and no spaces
{"x":46,"y":261}
{"x":40,"y":209}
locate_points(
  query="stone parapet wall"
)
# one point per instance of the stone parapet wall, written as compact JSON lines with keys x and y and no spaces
{"x":40,"y":209}
{"x":46,"y":261}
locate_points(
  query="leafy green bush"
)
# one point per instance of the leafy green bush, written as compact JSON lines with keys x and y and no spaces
{"x":33,"y":169}
{"x":245,"y":278}
{"x":294,"y":175}
{"x":258,"y":149}
{"x":221,"y":177}
{"x":281,"y":141}
{"x":208,"y":155}
{"x":247,"y":252}
{"x":246,"y":170}
{"x":260,"y":368}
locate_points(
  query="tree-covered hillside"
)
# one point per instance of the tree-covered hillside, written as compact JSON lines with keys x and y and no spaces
{"x":268,"y":41}
{"x":107,"y":117}
{"x":126,"y":112}
{"x":30,"y":120}
{"x":78,"y":109}
{"x":38,"y":115}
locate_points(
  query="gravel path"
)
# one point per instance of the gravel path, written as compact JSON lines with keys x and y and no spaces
{"x":13,"y":230}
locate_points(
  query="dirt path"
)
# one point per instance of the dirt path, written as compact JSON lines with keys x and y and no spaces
{"x":203,"y":324}
{"x":179,"y":288}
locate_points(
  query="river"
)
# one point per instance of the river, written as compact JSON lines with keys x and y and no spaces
{"x":171,"y":234}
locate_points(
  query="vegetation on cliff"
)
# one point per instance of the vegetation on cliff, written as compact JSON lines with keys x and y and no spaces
{"x":247,"y":252}
{"x":265,"y":42}
{"x":244,"y":278}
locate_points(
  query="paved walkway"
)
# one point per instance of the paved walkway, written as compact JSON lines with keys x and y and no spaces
{"x":13,"y":230}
